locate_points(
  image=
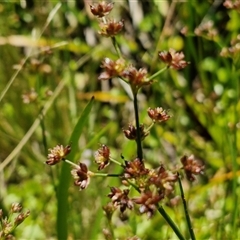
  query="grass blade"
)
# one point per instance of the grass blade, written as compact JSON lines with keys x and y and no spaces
{"x":62,"y":194}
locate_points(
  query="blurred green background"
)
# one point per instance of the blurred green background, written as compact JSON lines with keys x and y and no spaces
{"x":50,"y":56}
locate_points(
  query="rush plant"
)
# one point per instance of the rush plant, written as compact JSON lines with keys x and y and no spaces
{"x":143,"y":189}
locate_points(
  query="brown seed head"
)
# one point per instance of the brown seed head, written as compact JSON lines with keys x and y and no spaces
{"x":158,"y":114}
{"x":21,"y":217}
{"x":81,"y":176}
{"x":135,"y":168}
{"x":109,"y":209}
{"x":102,"y":157}
{"x":57,"y":154}
{"x":192,"y":167}
{"x":120,"y":198}
{"x":148,"y":202}
{"x":111,"y":28}
{"x":112,"y":68}
{"x":101,"y":9}
{"x":136,"y":78}
{"x":16,"y":208}
{"x":131,"y":132}
{"x":173,"y":59}
{"x":164,"y":180}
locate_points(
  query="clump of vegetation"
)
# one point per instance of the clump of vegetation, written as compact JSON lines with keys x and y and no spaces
{"x":154,"y":87}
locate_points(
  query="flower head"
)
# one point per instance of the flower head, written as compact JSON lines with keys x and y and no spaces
{"x":30,"y":96}
{"x":16,"y":207}
{"x":81,"y":175}
{"x":112,"y":68}
{"x":173,"y":59}
{"x":158,"y":114}
{"x":135,"y":169}
{"x":120,"y":198}
{"x":111,"y":28}
{"x":164,"y":180}
{"x":207,"y":30}
{"x":101,"y":9}
{"x":102,"y":157}
{"x":232,"y":4}
{"x":148,"y":201}
{"x":21,"y":217}
{"x":131,"y":132}
{"x":233,"y":50}
{"x":57,"y":154}
{"x":136,"y":78}
{"x":192,"y":167}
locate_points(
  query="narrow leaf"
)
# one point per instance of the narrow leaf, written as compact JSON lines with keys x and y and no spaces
{"x":65,"y":177}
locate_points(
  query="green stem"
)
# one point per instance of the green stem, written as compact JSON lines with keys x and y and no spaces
{"x":116,"y":47}
{"x":105,"y":175}
{"x":189,"y":224}
{"x":71,"y":163}
{"x":115,"y":161}
{"x":170,"y":222}
{"x":150,"y":126}
{"x":157,"y":73}
{"x":111,"y":229}
{"x":139,"y":143}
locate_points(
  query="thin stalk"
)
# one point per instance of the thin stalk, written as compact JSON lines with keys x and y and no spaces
{"x":106,"y":175}
{"x":114,"y":41}
{"x":115,"y":161}
{"x":157,"y":73}
{"x":93,"y":174}
{"x":111,"y":228}
{"x":139,"y":142}
{"x":189,"y":224}
{"x":170,"y":222}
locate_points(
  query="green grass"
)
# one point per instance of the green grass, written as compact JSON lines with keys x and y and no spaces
{"x":203,"y":100}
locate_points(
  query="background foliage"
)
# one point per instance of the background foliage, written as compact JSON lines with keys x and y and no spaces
{"x":54,"y":48}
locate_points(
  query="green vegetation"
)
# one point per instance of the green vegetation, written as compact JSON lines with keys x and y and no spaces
{"x":51,"y":59}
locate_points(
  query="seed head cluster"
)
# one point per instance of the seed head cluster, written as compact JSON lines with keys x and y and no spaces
{"x":142,"y":187}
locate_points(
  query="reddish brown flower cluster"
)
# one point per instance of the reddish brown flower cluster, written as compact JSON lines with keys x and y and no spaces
{"x":192,"y":167}
{"x":102,"y":157}
{"x":131,"y":132}
{"x":153,"y":186}
{"x":148,"y":201}
{"x":158,"y":114}
{"x":108,"y":27}
{"x":101,"y":9}
{"x":120,"y":198}
{"x":232,"y":4}
{"x":206,"y":30}
{"x":233,"y":50}
{"x":164,"y":180}
{"x":173,"y":59}
{"x":111,"y":27}
{"x":81,"y":175}
{"x":112,"y":68}
{"x":136,"y":78}
{"x":135,"y":169}
{"x":57,"y":154}
{"x":9,"y":223}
